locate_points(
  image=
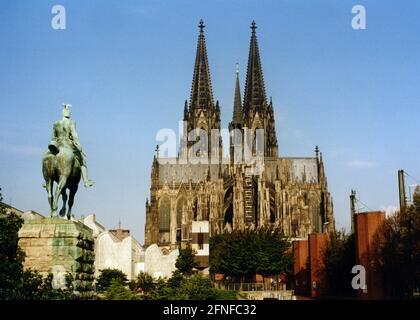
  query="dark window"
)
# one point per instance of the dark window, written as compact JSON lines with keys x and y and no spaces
{"x":200,"y":240}
{"x":164,"y":215}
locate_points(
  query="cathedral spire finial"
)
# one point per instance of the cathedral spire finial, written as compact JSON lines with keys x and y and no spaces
{"x":157,"y":151}
{"x":201,"y":26}
{"x":253,"y":26}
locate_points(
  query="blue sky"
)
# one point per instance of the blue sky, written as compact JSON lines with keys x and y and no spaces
{"x":126,"y":67}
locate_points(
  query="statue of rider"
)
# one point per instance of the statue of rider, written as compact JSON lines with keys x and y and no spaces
{"x":64,"y":134}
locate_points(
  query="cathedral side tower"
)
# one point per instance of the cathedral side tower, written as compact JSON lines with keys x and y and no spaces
{"x":236,"y":125}
{"x":257,"y":112}
{"x":201,"y":113}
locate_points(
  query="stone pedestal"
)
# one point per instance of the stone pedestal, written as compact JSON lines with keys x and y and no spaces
{"x":59,"y":246}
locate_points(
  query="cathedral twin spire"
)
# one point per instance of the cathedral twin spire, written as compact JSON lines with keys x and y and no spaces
{"x":254,"y":96}
{"x":255,"y":101}
{"x":201,"y":112}
{"x":201,"y":90}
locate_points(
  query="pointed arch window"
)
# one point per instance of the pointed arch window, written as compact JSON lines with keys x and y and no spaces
{"x":164,"y":215}
{"x":258,"y":141}
{"x":180,"y":211}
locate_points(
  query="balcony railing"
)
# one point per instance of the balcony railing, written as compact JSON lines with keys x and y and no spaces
{"x":252,"y":286}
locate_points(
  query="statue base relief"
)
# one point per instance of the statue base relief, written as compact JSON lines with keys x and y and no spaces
{"x":59,"y":246}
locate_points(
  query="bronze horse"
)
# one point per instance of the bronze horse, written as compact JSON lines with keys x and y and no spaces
{"x":62,"y":167}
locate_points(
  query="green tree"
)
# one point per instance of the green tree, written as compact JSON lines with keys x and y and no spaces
{"x":186,"y":262}
{"x":396,"y":251}
{"x":32,"y":286}
{"x":11,"y":257}
{"x":177,"y":287}
{"x":175,"y":280}
{"x":271,"y":252}
{"x":161,"y":291}
{"x":339,"y":257}
{"x":29,"y":286}
{"x":118,"y":291}
{"x":107,"y":276}
{"x":196,"y":287}
{"x":144,"y":283}
{"x":243,"y":253}
{"x":226,"y":294}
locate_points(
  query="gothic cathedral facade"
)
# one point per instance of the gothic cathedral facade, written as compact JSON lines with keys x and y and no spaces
{"x":291,"y":193}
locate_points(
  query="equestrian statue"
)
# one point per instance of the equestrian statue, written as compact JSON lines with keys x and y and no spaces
{"x":64,"y":163}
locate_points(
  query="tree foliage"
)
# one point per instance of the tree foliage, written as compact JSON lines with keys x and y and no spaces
{"x":177,"y":287}
{"x":11,"y":257}
{"x":162,"y":291}
{"x":144,"y":283}
{"x":118,"y":291}
{"x":174,"y":282}
{"x":195,"y":287}
{"x":32,"y":286}
{"x":243,"y":253}
{"x":396,"y":251}
{"x":186,"y":262}
{"x":339,"y":258}
{"x":107,"y":276}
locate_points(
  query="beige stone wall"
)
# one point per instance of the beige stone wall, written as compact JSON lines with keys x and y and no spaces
{"x":58,"y":245}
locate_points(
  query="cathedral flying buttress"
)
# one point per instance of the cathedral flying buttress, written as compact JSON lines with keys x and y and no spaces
{"x":288,"y":192}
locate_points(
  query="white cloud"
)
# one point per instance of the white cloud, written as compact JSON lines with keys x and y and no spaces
{"x":361,"y":164}
{"x":389,"y":209}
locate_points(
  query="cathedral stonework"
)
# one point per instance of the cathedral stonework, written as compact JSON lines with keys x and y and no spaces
{"x":291,"y":193}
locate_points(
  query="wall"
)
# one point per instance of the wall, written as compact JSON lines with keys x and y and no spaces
{"x":112,"y":252}
{"x":366,"y":225}
{"x":160,"y":263}
{"x":317,"y":244}
{"x":301,"y":267}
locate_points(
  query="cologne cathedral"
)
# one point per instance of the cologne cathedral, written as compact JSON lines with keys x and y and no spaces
{"x":291,"y":193}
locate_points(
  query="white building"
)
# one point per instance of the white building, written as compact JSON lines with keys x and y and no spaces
{"x":115,"y":249}
{"x":160,"y":262}
{"x":90,"y":221}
